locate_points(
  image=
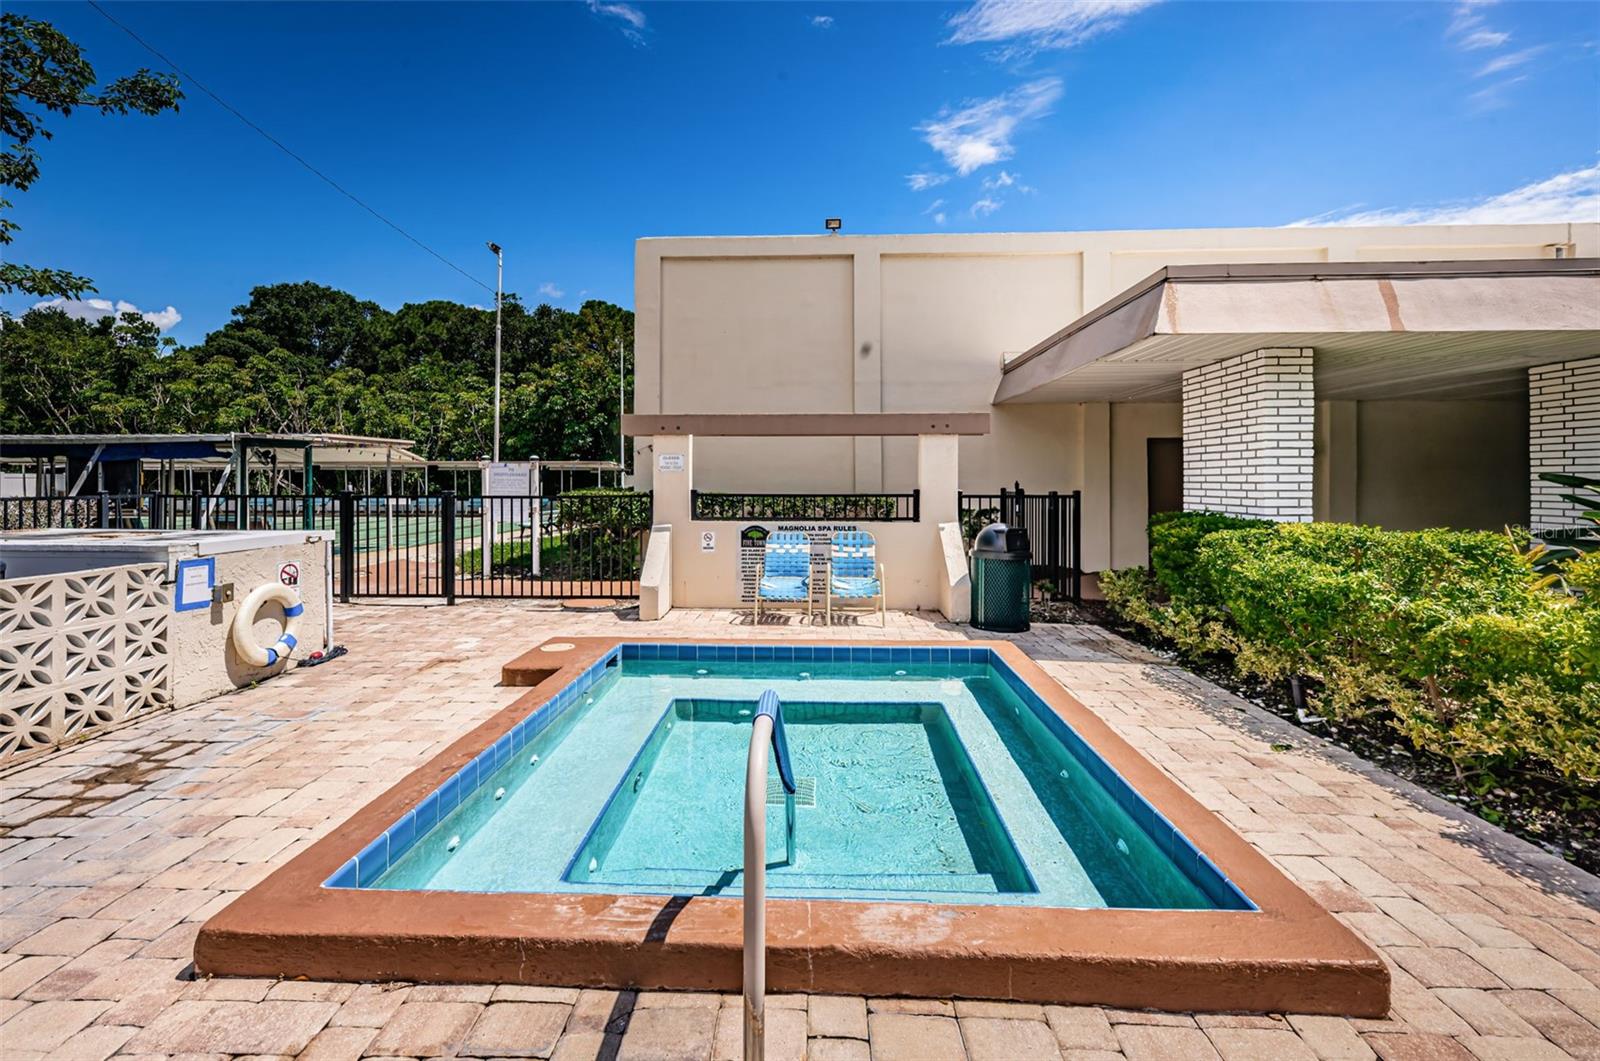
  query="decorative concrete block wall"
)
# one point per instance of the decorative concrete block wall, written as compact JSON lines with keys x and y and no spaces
{"x":1563,"y":435}
{"x":80,"y":652}
{"x":1248,"y":442}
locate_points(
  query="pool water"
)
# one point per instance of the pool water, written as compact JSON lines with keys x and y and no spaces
{"x":888,"y":801}
{"x":919,"y":781}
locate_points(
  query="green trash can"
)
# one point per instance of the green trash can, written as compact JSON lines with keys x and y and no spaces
{"x":1002,"y":577}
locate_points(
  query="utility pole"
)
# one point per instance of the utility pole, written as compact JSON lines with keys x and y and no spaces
{"x":499,"y":297}
{"x":622,"y":409}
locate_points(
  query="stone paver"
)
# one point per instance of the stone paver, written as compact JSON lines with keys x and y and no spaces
{"x":1156,"y":1042}
{"x":838,"y":1017}
{"x":47,"y":1025}
{"x":914,"y":1037}
{"x":114,"y":851}
{"x":198,"y":1027}
{"x":1002,"y":1039}
{"x":516,"y":1029}
{"x":669,"y":1033}
{"x":428,"y":1028}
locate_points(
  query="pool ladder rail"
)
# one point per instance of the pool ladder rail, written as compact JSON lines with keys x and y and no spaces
{"x":767,"y":726}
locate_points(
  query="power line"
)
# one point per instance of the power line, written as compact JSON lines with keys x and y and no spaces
{"x":281,"y":146}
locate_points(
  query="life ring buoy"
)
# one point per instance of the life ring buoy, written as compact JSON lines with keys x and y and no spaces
{"x":244,"y":622}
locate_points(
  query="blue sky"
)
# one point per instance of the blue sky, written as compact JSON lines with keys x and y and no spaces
{"x":566,"y":130}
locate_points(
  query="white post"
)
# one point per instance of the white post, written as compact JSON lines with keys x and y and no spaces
{"x":755,"y":890}
{"x":622,"y":410}
{"x":499,"y":297}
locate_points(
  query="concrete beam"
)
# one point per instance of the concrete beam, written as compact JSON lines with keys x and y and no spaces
{"x":805,"y":425}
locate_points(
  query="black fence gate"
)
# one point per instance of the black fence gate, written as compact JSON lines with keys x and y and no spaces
{"x":576,"y":545}
{"x":568,"y":546}
{"x":1055,"y":525}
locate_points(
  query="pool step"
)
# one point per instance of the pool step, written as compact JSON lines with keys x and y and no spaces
{"x":783,"y":881}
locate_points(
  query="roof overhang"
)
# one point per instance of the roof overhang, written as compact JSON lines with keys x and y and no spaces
{"x":329,"y":448}
{"x":1380,"y":329}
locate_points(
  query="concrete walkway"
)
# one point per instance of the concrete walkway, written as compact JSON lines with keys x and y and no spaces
{"x":113,"y":852}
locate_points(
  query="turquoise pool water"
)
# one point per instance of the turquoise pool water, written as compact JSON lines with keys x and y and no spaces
{"x":943,"y":781}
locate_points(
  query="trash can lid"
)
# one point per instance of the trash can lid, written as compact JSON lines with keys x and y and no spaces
{"x":1000,"y":542}
{"x":991,"y":539}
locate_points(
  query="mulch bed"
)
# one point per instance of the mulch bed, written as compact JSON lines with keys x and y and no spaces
{"x":1563,"y":819}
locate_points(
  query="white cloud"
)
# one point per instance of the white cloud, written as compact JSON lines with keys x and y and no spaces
{"x":631,"y":17}
{"x":1470,"y":30}
{"x":922,"y":181}
{"x":985,"y":206}
{"x":1028,"y":25}
{"x":979,"y":133}
{"x":93,"y":309}
{"x":1494,"y":96}
{"x":1572,"y":196}
{"x":822,"y":21}
{"x":1501,"y":63}
{"x":550,"y":290}
{"x":1006,"y":179}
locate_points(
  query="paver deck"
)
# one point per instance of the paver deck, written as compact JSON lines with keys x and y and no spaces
{"x":113,"y":852}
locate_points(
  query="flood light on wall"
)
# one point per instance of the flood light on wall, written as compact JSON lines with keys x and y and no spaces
{"x":832,"y":224}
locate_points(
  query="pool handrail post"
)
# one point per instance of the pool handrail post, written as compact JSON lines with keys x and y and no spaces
{"x":755,"y":890}
{"x":767,"y":726}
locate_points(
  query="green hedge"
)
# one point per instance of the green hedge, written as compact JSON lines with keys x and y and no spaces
{"x":1449,"y":633}
{"x":1175,"y":541}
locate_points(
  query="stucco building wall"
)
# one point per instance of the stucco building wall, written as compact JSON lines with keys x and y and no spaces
{"x":915,"y":323}
{"x":1461,"y":464}
{"x":204,"y":660}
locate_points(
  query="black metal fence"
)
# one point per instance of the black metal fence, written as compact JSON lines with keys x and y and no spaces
{"x":579,"y":545}
{"x":155,"y":511}
{"x":1055,"y":530}
{"x":576,"y":545}
{"x":804,"y":508}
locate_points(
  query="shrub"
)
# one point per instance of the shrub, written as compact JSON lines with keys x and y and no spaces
{"x":1174,"y":540}
{"x":1449,"y":632}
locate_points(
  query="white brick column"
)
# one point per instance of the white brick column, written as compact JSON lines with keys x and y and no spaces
{"x":1563,"y":436}
{"x":1248,"y":435}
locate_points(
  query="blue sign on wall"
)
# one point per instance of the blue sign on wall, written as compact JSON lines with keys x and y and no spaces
{"x":196,"y":579}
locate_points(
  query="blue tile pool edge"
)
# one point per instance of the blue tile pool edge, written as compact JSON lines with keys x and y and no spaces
{"x":1168,"y":838}
{"x":388,"y":848}
{"x":374,"y":860}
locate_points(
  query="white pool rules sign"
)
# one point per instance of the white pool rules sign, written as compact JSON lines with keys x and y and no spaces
{"x":510,"y":509}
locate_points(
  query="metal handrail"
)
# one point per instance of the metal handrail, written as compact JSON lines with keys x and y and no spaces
{"x":766,"y":727}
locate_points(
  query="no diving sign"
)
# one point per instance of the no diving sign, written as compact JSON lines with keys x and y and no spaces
{"x":289,"y":574}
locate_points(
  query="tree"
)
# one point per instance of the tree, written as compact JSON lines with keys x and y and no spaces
{"x":42,"y":71}
{"x":305,"y":357}
{"x":322,"y":326}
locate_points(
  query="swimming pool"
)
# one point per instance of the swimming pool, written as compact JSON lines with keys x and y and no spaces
{"x":962,"y":827}
{"x":922,"y":779}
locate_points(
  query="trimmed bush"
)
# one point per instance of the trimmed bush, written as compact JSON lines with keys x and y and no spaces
{"x":1448,"y":632}
{"x":1175,"y":542}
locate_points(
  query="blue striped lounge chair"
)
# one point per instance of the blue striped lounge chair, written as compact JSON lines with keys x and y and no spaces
{"x":855,"y":577}
{"x":785,"y":576}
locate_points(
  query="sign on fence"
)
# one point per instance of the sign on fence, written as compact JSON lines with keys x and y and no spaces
{"x":510,"y":509}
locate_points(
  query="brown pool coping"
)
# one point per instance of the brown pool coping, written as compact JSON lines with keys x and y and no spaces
{"x":1289,"y":955}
